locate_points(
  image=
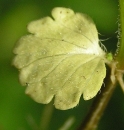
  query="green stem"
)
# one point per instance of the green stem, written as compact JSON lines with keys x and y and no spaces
{"x":120,"y":52}
{"x":46,"y":116}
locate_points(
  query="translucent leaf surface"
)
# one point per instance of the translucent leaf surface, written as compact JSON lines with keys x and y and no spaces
{"x":61,"y":58}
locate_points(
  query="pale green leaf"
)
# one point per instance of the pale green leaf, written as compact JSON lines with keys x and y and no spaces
{"x":61,"y":58}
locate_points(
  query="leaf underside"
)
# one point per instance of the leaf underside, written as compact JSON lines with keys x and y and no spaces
{"x":62,"y":58}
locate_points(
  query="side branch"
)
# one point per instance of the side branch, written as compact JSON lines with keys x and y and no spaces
{"x":99,"y":104}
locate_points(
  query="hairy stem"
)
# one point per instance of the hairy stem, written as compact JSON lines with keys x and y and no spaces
{"x":97,"y":108}
{"x":120,"y":52}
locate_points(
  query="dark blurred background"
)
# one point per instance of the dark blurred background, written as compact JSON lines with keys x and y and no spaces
{"x":17,"y":110}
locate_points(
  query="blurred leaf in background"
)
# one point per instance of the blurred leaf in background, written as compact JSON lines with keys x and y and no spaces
{"x":17,"y":110}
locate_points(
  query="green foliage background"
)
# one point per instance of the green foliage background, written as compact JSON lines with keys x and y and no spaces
{"x":16,"y":108}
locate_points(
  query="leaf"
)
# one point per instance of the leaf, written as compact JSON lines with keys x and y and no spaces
{"x":61,"y":58}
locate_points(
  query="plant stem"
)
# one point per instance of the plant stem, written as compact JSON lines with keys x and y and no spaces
{"x":97,"y":108}
{"x":120,"y":52}
{"x":46,"y":116}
